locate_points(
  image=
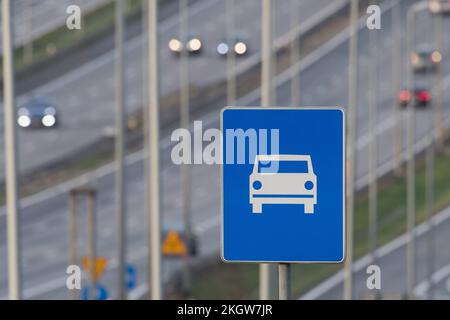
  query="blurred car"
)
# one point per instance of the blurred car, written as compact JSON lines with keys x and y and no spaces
{"x":425,"y":59}
{"x":193,"y":45}
{"x":239,"y":45}
{"x":37,"y":113}
{"x":439,"y":6}
{"x":421,"y":97}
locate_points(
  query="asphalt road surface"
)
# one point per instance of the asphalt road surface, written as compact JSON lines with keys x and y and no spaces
{"x":46,"y":15}
{"x":323,"y":82}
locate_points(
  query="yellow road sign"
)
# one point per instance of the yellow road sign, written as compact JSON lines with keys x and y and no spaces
{"x":173,"y":245}
{"x":100,"y":266}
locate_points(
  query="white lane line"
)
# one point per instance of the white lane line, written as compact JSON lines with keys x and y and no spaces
{"x":108,"y":57}
{"x":361,"y":263}
{"x":436,"y":277}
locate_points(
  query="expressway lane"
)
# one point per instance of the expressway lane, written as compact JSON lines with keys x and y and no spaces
{"x":391,"y":260}
{"x":84,"y":96}
{"x":46,"y":15}
{"x":44,"y":223}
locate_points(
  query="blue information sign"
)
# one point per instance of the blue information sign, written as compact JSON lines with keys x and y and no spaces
{"x":283,"y":185}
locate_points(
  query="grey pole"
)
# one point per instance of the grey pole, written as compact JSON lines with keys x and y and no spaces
{"x":231,"y":57}
{"x":120,"y":147}
{"x":351,"y":148}
{"x":28,"y":48}
{"x":284,"y":280}
{"x":430,"y":158}
{"x":185,"y":170}
{"x":396,"y":83}
{"x":267,"y":272}
{"x":439,"y":87}
{"x":373,"y":145}
{"x":153,"y":144}
{"x":411,"y":194}
{"x":92,"y":238}
{"x":73,"y":235}
{"x":295,"y":54}
{"x":11,"y":158}
{"x":429,"y":196}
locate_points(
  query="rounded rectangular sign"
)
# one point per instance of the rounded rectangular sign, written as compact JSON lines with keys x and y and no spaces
{"x":283,"y":185}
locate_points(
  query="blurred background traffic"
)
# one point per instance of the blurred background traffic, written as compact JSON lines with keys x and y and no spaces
{"x":80,"y":116}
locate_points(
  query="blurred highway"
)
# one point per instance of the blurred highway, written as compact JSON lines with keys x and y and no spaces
{"x":47,"y":15}
{"x":84,"y":96}
{"x":391,"y":260}
{"x":323,"y":82}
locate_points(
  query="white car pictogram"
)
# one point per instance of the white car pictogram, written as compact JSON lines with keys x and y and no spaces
{"x":283,"y":179}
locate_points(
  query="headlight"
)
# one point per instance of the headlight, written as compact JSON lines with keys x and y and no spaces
{"x":415,"y":58}
{"x":194,"y":45}
{"x":257,"y":185}
{"x":175,"y":45}
{"x":24,"y":121}
{"x":434,"y":6}
{"x":222,"y":49}
{"x":240,"y":48}
{"x":436,"y":57}
{"x":48,"y":120}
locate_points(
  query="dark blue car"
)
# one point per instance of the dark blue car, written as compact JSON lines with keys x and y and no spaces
{"x":37,"y":113}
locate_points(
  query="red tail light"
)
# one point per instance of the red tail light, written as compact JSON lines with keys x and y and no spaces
{"x":404,"y":96}
{"x":423,"y":96}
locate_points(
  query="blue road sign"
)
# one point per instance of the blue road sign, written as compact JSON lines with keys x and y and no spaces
{"x":283,"y":185}
{"x":100,"y":292}
{"x":130,"y":277}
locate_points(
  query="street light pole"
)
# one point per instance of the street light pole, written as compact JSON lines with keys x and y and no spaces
{"x":231,"y":57}
{"x":266,"y":271}
{"x":11,"y":158}
{"x":185,"y":170}
{"x":373,"y":145}
{"x":351,"y":152}
{"x":411,"y":192}
{"x":396,"y":72}
{"x":28,"y":47}
{"x":153,"y":160}
{"x":430,"y":158}
{"x":439,"y":86}
{"x":295,"y":54}
{"x":120,"y":147}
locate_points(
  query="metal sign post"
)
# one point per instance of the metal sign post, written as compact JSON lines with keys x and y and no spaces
{"x":73,"y":235}
{"x":91,"y":195}
{"x":284,"y":281}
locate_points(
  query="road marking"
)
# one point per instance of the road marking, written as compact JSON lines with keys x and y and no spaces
{"x":436,"y":277}
{"x":361,"y":263}
{"x":109,"y":56}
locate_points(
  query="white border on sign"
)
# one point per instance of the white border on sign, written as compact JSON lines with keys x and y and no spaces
{"x":344,"y":180}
